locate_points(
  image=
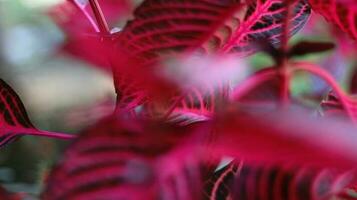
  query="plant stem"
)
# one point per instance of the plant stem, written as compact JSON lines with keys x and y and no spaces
{"x":285,"y":27}
{"x":317,"y":70}
{"x":285,"y":77}
{"x":104,"y":30}
{"x":282,"y":63}
{"x":57,"y":135}
{"x":99,"y":16}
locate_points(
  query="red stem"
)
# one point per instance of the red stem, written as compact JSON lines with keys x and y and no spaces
{"x":285,"y":77}
{"x":317,"y":70}
{"x":285,"y":26}
{"x":56,"y":135}
{"x":283,"y":67}
{"x":269,"y":73}
{"x":99,"y":16}
{"x":104,"y":30}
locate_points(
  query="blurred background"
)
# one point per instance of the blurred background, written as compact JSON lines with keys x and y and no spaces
{"x":61,"y":93}
{"x":66,"y":94}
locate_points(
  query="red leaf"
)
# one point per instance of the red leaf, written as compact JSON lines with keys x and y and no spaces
{"x":141,"y":84}
{"x":292,"y":137}
{"x":340,"y":105}
{"x":204,"y":87}
{"x":206,"y":25}
{"x":76,"y":16}
{"x":332,"y":107}
{"x":162,"y":95}
{"x":342,"y":13}
{"x":161,"y":28}
{"x":5,"y":195}
{"x":289,"y":182}
{"x":125,"y":159}
{"x":261,"y":87}
{"x":89,"y":48}
{"x":264,"y":22}
{"x":219,"y":185}
{"x":14,"y":121}
{"x":78,"y":24}
{"x":348,"y":102}
{"x":83,"y":116}
{"x":164,"y":28}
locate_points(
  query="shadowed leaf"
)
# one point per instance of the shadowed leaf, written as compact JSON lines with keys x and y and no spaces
{"x":306,"y":47}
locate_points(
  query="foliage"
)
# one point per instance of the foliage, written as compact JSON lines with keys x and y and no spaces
{"x":187,"y":99}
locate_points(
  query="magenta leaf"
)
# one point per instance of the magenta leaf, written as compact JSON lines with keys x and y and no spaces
{"x":341,"y":13}
{"x":294,"y":137}
{"x":140,"y":85}
{"x":264,"y":22}
{"x":219,"y":185}
{"x":342,"y":106}
{"x":78,"y":16}
{"x":165,"y":28}
{"x":289,"y":182}
{"x":261,"y":91}
{"x":324,"y":149}
{"x":75,"y":19}
{"x":262,"y":87}
{"x":155,"y":32}
{"x":84,"y":116}
{"x":14,"y":121}
{"x":122,"y":158}
{"x":332,"y":107}
{"x":196,"y":106}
